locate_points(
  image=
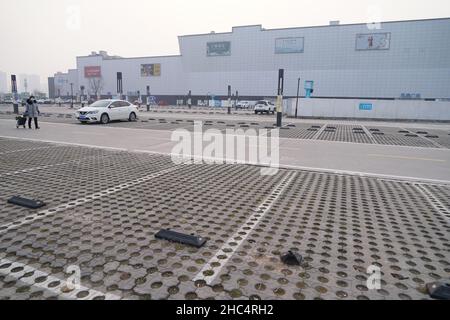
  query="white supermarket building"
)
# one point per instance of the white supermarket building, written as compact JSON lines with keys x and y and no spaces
{"x":388,"y":60}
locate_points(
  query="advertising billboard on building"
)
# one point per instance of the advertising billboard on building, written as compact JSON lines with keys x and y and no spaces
{"x":151,"y":70}
{"x":289,"y":45}
{"x":214,"y":49}
{"x":373,"y":41}
{"x":92,"y":72}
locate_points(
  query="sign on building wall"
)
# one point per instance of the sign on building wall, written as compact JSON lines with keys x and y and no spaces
{"x":365,"y":106}
{"x":373,"y":41}
{"x":289,"y":45}
{"x":92,"y":72}
{"x":214,"y":49}
{"x":151,"y":70}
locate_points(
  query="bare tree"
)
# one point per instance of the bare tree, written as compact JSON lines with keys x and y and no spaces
{"x":96,"y":85}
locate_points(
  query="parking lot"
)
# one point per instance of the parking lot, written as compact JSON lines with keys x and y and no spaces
{"x":349,"y":195}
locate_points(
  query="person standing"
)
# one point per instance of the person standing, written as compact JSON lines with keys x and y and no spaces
{"x":32,"y":112}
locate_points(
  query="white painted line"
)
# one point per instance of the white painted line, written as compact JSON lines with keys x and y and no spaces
{"x":235,"y":241}
{"x":435,"y":202}
{"x":437,"y":145}
{"x":367,"y":174}
{"x":51,"y":166}
{"x":67,"y":143}
{"x":59,"y":289}
{"x":29,"y":149}
{"x":317,"y":135}
{"x":63,"y":207}
{"x":405,"y":157}
{"x":367,"y":131}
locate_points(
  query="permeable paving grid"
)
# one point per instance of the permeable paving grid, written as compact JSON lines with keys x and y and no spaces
{"x":104,"y":208}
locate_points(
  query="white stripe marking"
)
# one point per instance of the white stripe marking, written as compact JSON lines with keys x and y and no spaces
{"x":58,"y":290}
{"x":317,"y":135}
{"x":66,"y":143}
{"x":228,"y":249}
{"x":51,"y":166}
{"x":369,"y":134}
{"x":435,"y":202}
{"x":30,"y":149}
{"x":63,"y":207}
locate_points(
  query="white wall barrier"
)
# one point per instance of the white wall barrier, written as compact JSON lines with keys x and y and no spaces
{"x":370,"y":109}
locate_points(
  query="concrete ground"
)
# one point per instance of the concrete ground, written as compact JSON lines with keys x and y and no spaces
{"x":349,"y":195}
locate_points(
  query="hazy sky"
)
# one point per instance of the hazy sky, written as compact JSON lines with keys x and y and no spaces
{"x":44,"y":36}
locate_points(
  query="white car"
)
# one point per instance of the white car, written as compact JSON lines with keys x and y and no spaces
{"x":264,"y":106}
{"x":243,"y":105}
{"x":104,"y":111}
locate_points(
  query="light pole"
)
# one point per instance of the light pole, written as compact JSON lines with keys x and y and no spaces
{"x":82,"y":96}
{"x":148,"y":98}
{"x":296,"y":105}
{"x":280,"y":98}
{"x":119,"y":85}
{"x":229,"y":99}
{"x":71,"y":95}
{"x":14,"y":93}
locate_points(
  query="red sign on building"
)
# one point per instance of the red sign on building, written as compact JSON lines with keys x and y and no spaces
{"x":92,"y":72}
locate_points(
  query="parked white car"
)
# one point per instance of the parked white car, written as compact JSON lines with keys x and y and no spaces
{"x":243,"y":105}
{"x":264,"y":106}
{"x":104,"y":111}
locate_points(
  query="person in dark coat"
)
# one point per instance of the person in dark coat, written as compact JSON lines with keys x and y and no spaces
{"x":32,"y":112}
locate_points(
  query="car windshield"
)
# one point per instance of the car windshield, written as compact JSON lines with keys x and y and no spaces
{"x":100,"y":104}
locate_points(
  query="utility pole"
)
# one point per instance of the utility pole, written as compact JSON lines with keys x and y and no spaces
{"x":14,"y":93}
{"x":298,"y":93}
{"x":189,"y":99}
{"x":71,"y":95}
{"x":229,"y":99}
{"x":82,"y":96}
{"x":280,"y":98}
{"x":148,"y":98}
{"x":119,"y":84}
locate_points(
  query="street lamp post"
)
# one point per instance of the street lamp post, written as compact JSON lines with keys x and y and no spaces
{"x":280,"y":98}
{"x":14,"y":93}
{"x":229,"y":99}
{"x":296,"y":105}
{"x":119,"y":84}
{"x":82,"y":96}
{"x":148,"y":98}
{"x":71,"y":95}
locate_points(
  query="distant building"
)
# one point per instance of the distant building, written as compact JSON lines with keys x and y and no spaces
{"x":51,"y":88}
{"x":29,"y":83}
{"x":3,"y":82}
{"x":62,"y":83}
{"x":388,"y":60}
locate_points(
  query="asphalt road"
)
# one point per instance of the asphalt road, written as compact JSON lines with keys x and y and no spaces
{"x":353,"y":158}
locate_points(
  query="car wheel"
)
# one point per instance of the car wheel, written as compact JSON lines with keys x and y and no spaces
{"x":132,"y":117}
{"x":256,"y":112}
{"x":104,"y":119}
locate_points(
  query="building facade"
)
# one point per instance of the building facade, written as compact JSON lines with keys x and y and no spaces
{"x":3,"y":82}
{"x":389,"y":60}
